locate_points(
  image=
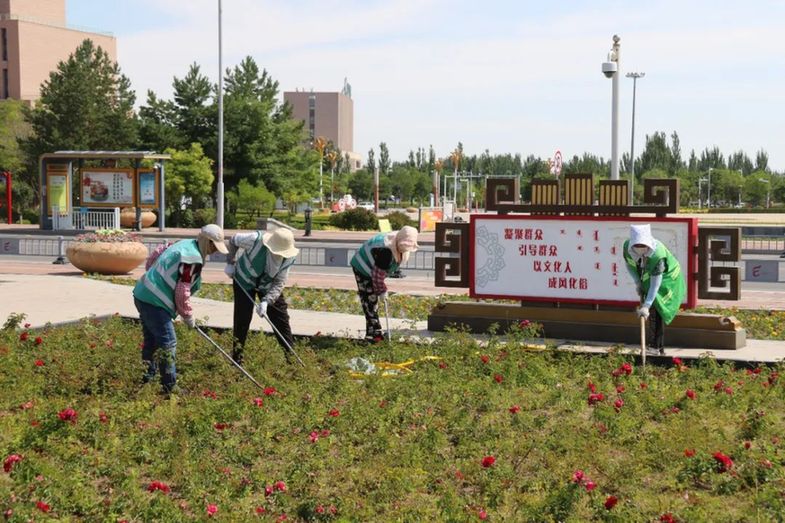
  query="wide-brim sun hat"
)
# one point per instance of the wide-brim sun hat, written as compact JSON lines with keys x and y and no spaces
{"x":641,"y":235}
{"x":215,"y":235}
{"x":280,"y":242}
{"x":402,"y":243}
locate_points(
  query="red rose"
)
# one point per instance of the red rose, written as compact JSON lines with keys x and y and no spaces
{"x":24,"y":336}
{"x":320,"y":509}
{"x":592,"y":387}
{"x":158,"y":485}
{"x":590,"y":485}
{"x":498,"y":378}
{"x":39,"y":363}
{"x":678,"y":362}
{"x":689,"y":452}
{"x":620,"y":389}
{"x":728,"y":390}
{"x":258,"y":402}
{"x":690,"y":394}
{"x":627,"y":368}
{"x":102,"y":417}
{"x":577,"y":476}
{"x":43,"y":507}
{"x":221,"y":426}
{"x":268,"y":490}
{"x":313,"y":436}
{"x":442,"y":365}
{"x":618,"y":404}
{"x":485,"y":358}
{"x":269,"y":391}
{"x":610,"y":502}
{"x":643,"y":385}
{"x":334,"y":413}
{"x":280,"y":486}
{"x":488,"y":461}
{"x":260,"y":510}
{"x":207,"y":393}
{"x":515,"y":409}
{"x":68,"y":414}
{"x":724,"y":463}
{"x":39,"y":340}
{"x":596,"y":398}
{"x":10,"y":461}
{"x":482,"y":515}
{"x":27,"y":325}
{"x":719,"y":386}
{"x":211,"y":509}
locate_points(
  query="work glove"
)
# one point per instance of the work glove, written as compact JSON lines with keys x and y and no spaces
{"x":229,"y":270}
{"x":383,"y":296}
{"x":261,"y":309}
{"x":642,"y":311}
{"x":190,"y":321}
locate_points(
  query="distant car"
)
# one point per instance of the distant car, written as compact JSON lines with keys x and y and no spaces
{"x":368,"y":206}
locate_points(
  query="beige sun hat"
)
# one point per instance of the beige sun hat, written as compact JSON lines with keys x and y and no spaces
{"x":214,"y":234}
{"x":280,"y":242}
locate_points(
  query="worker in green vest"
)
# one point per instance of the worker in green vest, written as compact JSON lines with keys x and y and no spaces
{"x":375,"y":260}
{"x":172,"y":274}
{"x":261,"y":269}
{"x":658,"y":279}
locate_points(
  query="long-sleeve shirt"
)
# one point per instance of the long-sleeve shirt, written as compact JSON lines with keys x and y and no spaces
{"x":246,"y":242}
{"x":382,"y":259}
{"x":655,"y":279}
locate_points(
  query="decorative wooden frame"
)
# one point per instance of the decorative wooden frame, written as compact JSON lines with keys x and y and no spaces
{"x":721,"y":244}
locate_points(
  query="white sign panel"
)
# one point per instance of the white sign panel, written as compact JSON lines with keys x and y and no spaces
{"x":563,"y":259}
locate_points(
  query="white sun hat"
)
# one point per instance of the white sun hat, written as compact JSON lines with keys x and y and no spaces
{"x":280,"y":242}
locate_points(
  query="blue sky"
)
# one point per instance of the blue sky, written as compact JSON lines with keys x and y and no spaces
{"x":510,"y":76}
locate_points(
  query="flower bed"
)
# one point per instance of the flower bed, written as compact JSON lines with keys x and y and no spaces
{"x":496,"y":432}
{"x":107,"y":251}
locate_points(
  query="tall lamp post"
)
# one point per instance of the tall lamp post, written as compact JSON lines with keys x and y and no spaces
{"x":220,"y":186}
{"x":611,"y":70}
{"x":319,"y":144}
{"x":634,"y":76}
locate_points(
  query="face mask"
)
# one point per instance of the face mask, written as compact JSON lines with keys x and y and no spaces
{"x":640,"y":251}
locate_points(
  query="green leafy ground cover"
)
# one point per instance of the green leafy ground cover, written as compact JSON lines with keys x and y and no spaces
{"x":496,"y":432}
{"x":760,"y":324}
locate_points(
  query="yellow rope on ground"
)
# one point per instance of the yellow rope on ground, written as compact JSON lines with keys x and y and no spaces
{"x":391,"y":370}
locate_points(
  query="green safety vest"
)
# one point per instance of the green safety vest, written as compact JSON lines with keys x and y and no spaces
{"x":673,"y":288}
{"x":363,"y":258}
{"x":251,"y":268}
{"x":156,"y":286}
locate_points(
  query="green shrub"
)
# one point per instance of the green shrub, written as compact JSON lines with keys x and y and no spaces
{"x":398,"y":219}
{"x":355,"y":220}
{"x":203,"y":217}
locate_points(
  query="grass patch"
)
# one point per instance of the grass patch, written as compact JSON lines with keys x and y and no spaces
{"x":321,"y":446}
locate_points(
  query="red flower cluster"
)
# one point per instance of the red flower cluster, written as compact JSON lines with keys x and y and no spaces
{"x":618,"y":404}
{"x":667,"y":518}
{"x":580,"y":478}
{"x":334,"y":413}
{"x":689,"y":452}
{"x":221,"y":426}
{"x":102,"y":417}
{"x":485,"y":358}
{"x":43,"y":507}
{"x":10,"y":461}
{"x":269,"y":391}
{"x":39,"y":363}
{"x":592,"y":387}
{"x":207,"y":393}
{"x":690,"y":394}
{"x":68,"y":414}
{"x":515,"y":409}
{"x":610,"y":502}
{"x":258,"y":402}
{"x":158,"y":485}
{"x":595,"y":398}
{"x":24,"y":336}
{"x":39,"y":340}
{"x":498,"y":378}
{"x":724,"y":463}
{"x":625,"y":369}
{"x":212,"y":509}
{"x":488,"y":461}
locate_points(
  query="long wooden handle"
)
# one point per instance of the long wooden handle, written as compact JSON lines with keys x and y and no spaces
{"x":643,"y":341}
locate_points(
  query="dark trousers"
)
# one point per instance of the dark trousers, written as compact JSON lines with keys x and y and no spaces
{"x":278,"y":312}
{"x":656,"y":334}
{"x":370,"y":303}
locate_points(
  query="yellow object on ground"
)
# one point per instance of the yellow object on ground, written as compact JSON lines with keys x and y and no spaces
{"x":390,"y":370}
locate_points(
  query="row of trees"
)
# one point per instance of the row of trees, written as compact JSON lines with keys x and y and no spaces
{"x":87,"y":103}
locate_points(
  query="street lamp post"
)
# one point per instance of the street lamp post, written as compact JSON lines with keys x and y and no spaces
{"x":220,"y":186}
{"x":611,"y":70}
{"x":634,"y":76}
{"x":708,"y":191}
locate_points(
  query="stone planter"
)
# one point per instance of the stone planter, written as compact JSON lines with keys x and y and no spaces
{"x":106,"y":257}
{"x":128,"y":216}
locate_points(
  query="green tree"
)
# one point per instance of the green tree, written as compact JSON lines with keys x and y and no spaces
{"x":384,"y":159}
{"x":255,"y":199}
{"x":189,"y":179}
{"x":85,"y":104}
{"x":656,"y":154}
{"x":371,"y":163}
{"x":756,"y":189}
{"x":361,"y":184}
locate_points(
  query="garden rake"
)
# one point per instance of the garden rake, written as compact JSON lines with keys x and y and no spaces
{"x":643,"y":342}
{"x":275,"y":329}
{"x":247,"y":374}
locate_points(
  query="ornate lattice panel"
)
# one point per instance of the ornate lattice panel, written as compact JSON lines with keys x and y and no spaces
{"x":719,"y":244}
{"x":545,"y":193}
{"x":578,"y":190}
{"x":452,"y":271}
{"x":614,"y":193}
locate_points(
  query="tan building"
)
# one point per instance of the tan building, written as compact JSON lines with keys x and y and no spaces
{"x":330,"y":115}
{"x":34,"y":38}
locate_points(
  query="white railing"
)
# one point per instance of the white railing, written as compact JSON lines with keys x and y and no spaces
{"x":83,"y":219}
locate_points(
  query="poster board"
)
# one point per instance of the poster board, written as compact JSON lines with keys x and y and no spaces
{"x":147,"y":189}
{"x":571,"y":260}
{"x":429,"y":218}
{"x":58,"y":189}
{"x":107,"y":187}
